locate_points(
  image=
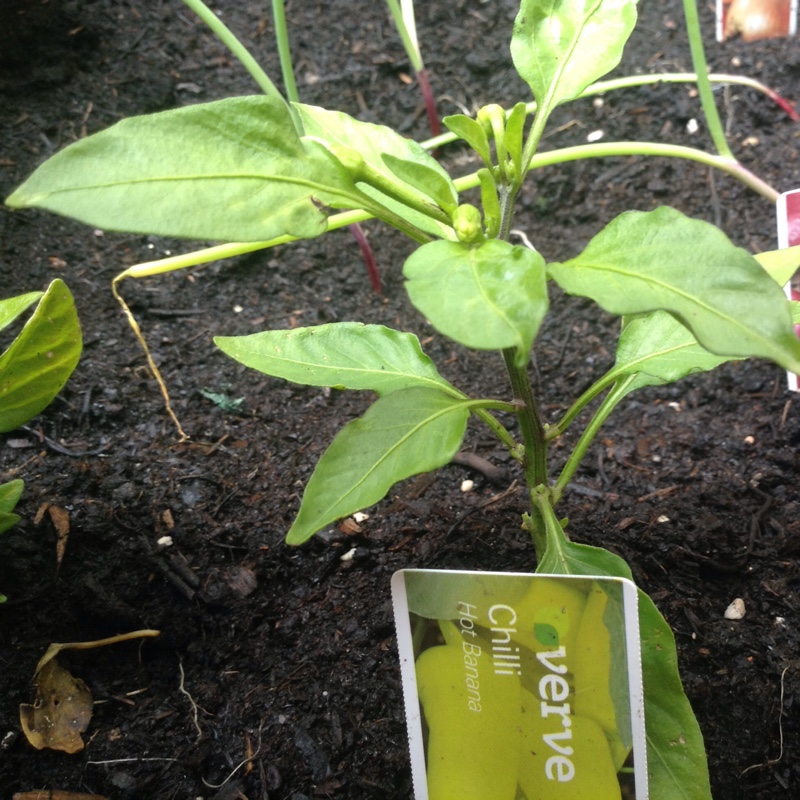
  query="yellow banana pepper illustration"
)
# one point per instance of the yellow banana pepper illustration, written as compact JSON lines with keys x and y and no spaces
{"x":592,"y":668}
{"x":549,"y":615}
{"x":473,"y":717}
{"x":564,"y":756}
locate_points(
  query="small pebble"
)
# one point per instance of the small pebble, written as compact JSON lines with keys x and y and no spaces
{"x":360,"y":516}
{"x":595,"y":136}
{"x":165,"y":541}
{"x":467,"y":486}
{"x":663,"y":518}
{"x":735,"y":610}
{"x":348,"y":556}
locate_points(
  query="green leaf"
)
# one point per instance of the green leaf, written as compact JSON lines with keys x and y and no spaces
{"x":795,"y":304}
{"x":344,"y":355}
{"x":489,"y":297}
{"x":661,"y":349}
{"x":9,"y":497}
{"x":37,"y":364}
{"x":429,"y":181}
{"x":373,"y":142}
{"x":676,"y":758}
{"x":559,"y":47}
{"x":402,"y":434}
{"x":232,"y":170}
{"x":515,"y":129}
{"x":11,"y":308}
{"x":780,"y":264}
{"x":644,"y":261}
{"x":472,"y":132}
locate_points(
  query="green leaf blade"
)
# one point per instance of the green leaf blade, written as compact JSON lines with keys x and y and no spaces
{"x":230,"y":170}
{"x":662,"y":260}
{"x":9,"y":497}
{"x":40,"y":360}
{"x":12,"y":307}
{"x":661,"y":350}
{"x":489,"y":297}
{"x":345,"y":355}
{"x":402,"y":434}
{"x":559,"y":47}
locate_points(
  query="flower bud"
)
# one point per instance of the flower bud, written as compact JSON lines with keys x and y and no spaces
{"x":467,"y":224}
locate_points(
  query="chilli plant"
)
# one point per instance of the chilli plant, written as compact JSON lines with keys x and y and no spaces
{"x":264,"y":171}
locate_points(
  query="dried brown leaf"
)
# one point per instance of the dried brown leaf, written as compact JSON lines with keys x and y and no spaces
{"x":61,"y":711}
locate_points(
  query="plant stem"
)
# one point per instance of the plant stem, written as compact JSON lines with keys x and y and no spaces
{"x":530,"y":423}
{"x":728,"y":165}
{"x":368,"y":256}
{"x":434,"y":123}
{"x":703,"y":83}
{"x":285,"y":57}
{"x":500,"y":431}
{"x":225,"y":35}
{"x":610,"y":402}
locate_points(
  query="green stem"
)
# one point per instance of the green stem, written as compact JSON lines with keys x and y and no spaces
{"x":530,"y":423}
{"x":722,"y":163}
{"x":544,"y":527}
{"x":703,"y":83}
{"x":593,"y":391}
{"x":225,"y":35}
{"x":285,"y":56}
{"x":408,"y":34}
{"x":612,"y":399}
{"x":284,"y":51}
{"x":500,"y":431}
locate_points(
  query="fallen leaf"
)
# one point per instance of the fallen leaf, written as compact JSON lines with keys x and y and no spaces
{"x":61,"y":711}
{"x":60,"y":518}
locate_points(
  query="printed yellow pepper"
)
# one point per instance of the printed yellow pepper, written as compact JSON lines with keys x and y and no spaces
{"x":592,"y":669}
{"x":473,"y":718}
{"x":564,"y":757}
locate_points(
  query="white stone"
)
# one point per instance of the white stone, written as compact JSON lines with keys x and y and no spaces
{"x":735,"y":610}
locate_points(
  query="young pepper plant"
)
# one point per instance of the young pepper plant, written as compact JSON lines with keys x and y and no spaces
{"x":689,"y":299}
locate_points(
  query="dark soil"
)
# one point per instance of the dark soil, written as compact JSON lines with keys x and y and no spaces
{"x":289,"y":654}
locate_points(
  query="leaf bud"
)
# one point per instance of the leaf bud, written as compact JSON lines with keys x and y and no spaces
{"x":467,"y":224}
{"x":493,"y":119}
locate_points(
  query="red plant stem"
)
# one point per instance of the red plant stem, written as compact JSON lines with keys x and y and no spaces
{"x":369,"y":257}
{"x":784,"y":104}
{"x":430,"y":102}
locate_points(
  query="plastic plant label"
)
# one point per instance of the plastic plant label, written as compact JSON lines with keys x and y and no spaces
{"x":520,"y":685}
{"x":788,"y":208}
{"x":755,"y":19}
